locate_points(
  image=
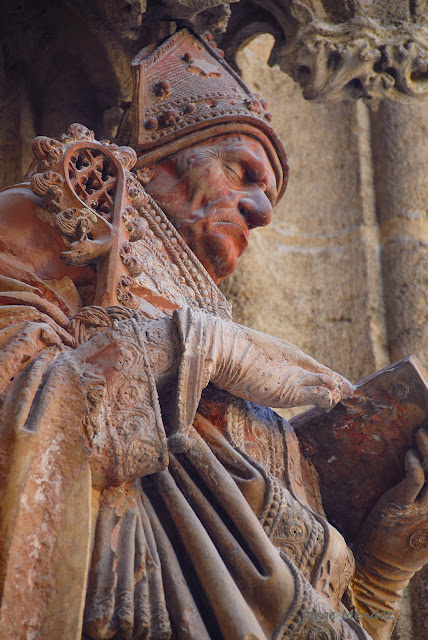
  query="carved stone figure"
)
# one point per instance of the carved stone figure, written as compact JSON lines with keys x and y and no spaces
{"x":148,"y":490}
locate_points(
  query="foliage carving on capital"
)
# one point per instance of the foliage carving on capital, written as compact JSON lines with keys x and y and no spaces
{"x":357,"y":59}
{"x":340,"y":51}
{"x":200,"y":15}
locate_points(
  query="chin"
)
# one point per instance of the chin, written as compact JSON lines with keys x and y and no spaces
{"x":219,"y":255}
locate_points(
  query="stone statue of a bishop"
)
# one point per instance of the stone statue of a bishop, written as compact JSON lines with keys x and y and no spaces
{"x":147,"y":488}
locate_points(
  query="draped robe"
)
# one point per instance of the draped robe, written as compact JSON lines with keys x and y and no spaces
{"x":107,"y":534}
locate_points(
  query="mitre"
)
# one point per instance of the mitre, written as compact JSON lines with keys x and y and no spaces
{"x":185,"y":93}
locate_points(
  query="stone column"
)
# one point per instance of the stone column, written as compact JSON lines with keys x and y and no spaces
{"x":16,"y":125}
{"x":400,"y":145}
{"x":399,"y":139}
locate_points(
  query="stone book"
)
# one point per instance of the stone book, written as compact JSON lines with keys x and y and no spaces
{"x":358,"y":447}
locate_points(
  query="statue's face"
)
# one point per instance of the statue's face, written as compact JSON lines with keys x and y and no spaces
{"x":214,"y":193}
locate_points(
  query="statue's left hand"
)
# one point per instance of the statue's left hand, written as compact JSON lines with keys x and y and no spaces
{"x":396,"y":531}
{"x":268,"y":370}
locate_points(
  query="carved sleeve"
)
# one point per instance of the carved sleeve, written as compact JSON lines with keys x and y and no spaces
{"x":309,"y":617}
{"x":376,"y":592}
{"x":391,"y":548}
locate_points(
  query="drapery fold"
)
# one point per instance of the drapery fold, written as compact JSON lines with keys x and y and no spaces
{"x":223,"y":569}
{"x":187,"y":555}
{"x":216,"y":562}
{"x":125,"y":593}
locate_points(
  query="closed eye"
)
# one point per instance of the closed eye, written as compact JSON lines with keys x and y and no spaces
{"x":235,"y":171}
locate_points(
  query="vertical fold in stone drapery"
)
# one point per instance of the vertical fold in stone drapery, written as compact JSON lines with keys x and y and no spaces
{"x":231,"y":572}
{"x":125,"y":593}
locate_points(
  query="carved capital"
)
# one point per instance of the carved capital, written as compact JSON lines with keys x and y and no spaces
{"x":200,"y":15}
{"x":357,"y":59}
{"x":135,"y":19}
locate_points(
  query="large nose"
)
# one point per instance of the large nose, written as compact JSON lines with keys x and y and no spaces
{"x":255,"y":207}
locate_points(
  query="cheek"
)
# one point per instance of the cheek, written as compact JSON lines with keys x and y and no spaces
{"x":170,"y":194}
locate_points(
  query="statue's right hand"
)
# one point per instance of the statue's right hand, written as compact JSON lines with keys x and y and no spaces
{"x":321,"y":389}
